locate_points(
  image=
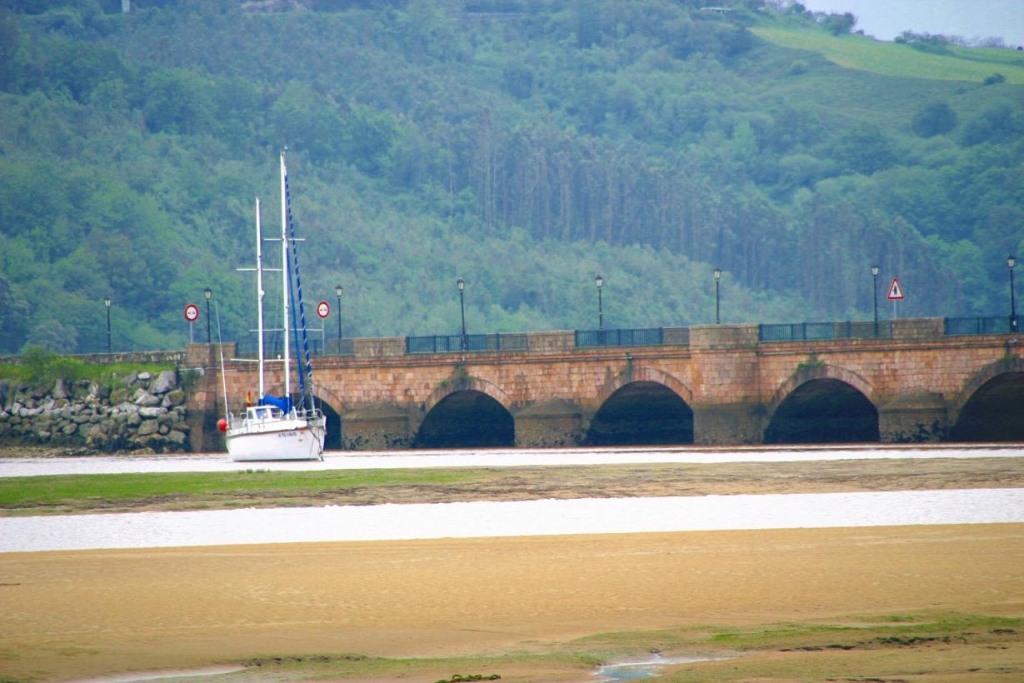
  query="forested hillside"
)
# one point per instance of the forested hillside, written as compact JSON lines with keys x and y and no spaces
{"x":523,"y":145}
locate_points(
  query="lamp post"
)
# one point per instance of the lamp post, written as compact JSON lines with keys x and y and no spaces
{"x":107,"y":302}
{"x":718,"y":277}
{"x":208,"y":293}
{"x":599,"y":281}
{"x":339,"y":290}
{"x":1011,"y":261}
{"x":462,"y":307}
{"x":874,"y":285}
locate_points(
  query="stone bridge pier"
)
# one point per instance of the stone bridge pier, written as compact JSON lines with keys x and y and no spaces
{"x":715,"y":385}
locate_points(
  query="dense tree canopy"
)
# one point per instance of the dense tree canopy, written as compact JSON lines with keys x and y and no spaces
{"x":524,"y":145}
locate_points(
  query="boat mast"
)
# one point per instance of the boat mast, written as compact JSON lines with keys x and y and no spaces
{"x":259,"y":295}
{"x":284,"y":275}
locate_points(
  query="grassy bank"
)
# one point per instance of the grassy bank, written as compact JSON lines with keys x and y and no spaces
{"x":201,"y":490}
{"x":74,"y":494}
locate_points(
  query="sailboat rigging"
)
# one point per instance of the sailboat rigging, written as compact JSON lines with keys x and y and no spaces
{"x":275,"y":428}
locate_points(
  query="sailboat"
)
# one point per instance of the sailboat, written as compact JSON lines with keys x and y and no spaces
{"x":274,"y":427}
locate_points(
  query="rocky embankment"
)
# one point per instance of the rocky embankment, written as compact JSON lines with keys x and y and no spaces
{"x":141,"y":412}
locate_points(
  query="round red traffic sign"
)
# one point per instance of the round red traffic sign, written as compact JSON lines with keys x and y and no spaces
{"x":191,"y":313}
{"x":323,"y":309}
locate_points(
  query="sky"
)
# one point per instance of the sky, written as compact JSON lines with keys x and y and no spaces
{"x":886,"y":19}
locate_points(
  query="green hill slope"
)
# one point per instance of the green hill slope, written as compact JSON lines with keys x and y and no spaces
{"x":899,"y":60}
{"x":523,"y":146}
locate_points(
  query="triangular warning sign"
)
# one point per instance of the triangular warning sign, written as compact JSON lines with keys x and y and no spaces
{"x":895,"y":291}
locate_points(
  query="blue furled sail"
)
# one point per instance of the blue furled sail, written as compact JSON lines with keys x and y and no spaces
{"x":305,"y":365}
{"x":284,"y":403}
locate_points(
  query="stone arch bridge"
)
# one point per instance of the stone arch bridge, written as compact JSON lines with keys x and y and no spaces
{"x":706,"y":385}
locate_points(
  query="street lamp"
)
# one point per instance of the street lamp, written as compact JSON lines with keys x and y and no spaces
{"x":107,"y":302}
{"x":462,"y":306}
{"x":1010,"y":263}
{"x":599,"y":281}
{"x":874,"y":284}
{"x":208,"y":293}
{"x":718,"y":276}
{"x":339,"y":290}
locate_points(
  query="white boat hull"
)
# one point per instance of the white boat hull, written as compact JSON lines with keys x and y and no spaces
{"x":281,"y":439}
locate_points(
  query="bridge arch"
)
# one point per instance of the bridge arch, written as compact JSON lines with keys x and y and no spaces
{"x":990,"y":406}
{"x":644,"y":373}
{"x":466,"y":412}
{"x":821,"y":403}
{"x":332,"y":414}
{"x":642,"y":406}
{"x":466,"y":383}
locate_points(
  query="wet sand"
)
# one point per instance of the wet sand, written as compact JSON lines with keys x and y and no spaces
{"x":68,"y":615}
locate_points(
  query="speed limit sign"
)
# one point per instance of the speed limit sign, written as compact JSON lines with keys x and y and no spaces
{"x":191,"y":313}
{"x":323,"y":309}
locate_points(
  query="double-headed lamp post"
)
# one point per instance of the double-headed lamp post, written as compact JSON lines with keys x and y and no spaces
{"x":874,"y":285}
{"x":599,"y":281}
{"x":718,"y":310}
{"x":462,"y":307}
{"x":106,"y":302}
{"x":208,"y":293}
{"x":1011,"y":261}
{"x":339,"y":290}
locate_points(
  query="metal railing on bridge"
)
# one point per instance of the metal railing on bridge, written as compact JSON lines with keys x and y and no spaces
{"x":652,"y":336}
{"x":448,"y":343}
{"x":835,"y":330}
{"x":987,"y":325}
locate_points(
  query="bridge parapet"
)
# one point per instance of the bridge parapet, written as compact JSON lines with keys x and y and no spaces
{"x":383,"y":347}
{"x":551,"y":342}
{"x":721,"y":337}
{"x":918,"y":329}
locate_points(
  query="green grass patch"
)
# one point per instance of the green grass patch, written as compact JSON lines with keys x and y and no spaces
{"x":898,"y":60}
{"x":40,"y":368}
{"x":507,"y":666}
{"x":864,"y":631}
{"x":195,"y":490}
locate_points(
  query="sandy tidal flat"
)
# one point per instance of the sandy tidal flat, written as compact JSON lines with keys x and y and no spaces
{"x":78,"y":614}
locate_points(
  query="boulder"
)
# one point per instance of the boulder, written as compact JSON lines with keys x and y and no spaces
{"x":164,"y":382}
{"x":144,"y":398}
{"x":175,"y":397}
{"x":177,"y":438}
{"x":60,"y":389}
{"x":148,"y":427}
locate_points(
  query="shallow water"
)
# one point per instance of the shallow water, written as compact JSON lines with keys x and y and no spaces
{"x":341,"y":460}
{"x":525,"y":518}
{"x":643,"y":669}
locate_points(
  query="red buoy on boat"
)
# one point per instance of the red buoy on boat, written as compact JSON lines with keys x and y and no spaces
{"x":222,"y":425}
